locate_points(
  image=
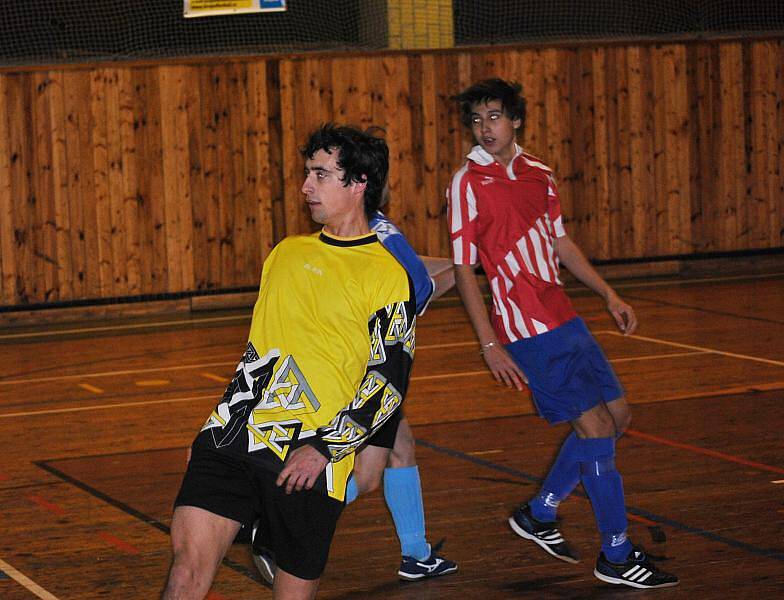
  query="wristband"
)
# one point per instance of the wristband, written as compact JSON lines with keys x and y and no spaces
{"x":487,"y":346}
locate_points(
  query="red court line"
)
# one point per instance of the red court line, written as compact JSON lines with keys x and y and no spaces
{"x":46,"y":505}
{"x":118,"y":543}
{"x":705,"y":451}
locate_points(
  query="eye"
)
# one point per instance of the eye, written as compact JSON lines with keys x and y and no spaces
{"x":495,"y":117}
{"x":475,"y":120}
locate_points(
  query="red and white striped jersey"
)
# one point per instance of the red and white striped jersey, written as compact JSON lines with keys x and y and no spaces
{"x":507,"y":218}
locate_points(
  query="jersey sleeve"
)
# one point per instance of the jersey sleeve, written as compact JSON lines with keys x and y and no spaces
{"x":399,"y":247}
{"x":392,"y":334}
{"x":554,"y":208}
{"x":462,"y":218}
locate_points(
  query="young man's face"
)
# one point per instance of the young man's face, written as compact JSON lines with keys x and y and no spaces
{"x":494,"y":130}
{"x":329,"y":200}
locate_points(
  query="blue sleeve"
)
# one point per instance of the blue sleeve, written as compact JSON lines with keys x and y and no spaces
{"x":406,"y":256}
{"x":397,"y":244}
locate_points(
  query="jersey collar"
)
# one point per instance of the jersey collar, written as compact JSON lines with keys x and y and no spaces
{"x":360,"y":240}
{"x":481,"y":157}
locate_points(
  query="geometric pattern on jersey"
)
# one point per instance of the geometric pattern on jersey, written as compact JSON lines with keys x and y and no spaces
{"x":508,"y":218}
{"x":328,"y":355}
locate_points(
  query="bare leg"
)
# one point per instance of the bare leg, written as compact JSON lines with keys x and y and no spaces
{"x":200,"y":539}
{"x":290,"y":587}
{"x":404,"y":452}
{"x":369,"y":467}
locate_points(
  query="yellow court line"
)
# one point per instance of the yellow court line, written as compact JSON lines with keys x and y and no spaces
{"x":768,"y":361}
{"x":656,"y":356}
{"x":91,"y":388}
{"x":152,"y":382}
{"x":57,"y":411}
{"x":26,"y":582}
{"x":114,"y":373}
{"x":217,"y":378}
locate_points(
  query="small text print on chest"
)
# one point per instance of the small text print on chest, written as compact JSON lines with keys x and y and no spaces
{"x":313,"y":269}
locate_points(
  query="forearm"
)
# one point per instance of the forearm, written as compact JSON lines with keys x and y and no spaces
{"x":573,"y":259}
{"x":474,"y":303}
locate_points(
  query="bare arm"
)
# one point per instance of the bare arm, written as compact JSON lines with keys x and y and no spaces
{"x":502,"y":366}
{"x":573,"y":259}
{"x":441,"y":271}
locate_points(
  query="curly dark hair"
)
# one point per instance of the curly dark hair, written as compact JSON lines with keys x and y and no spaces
{"x":509,"y":93}
{"x":363,"y":157}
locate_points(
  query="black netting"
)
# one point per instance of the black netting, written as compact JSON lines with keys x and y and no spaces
{"x":52,"y":31}
{"x":494,"y":22}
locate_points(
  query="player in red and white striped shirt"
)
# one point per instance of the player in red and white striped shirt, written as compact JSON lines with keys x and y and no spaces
{"x":504,"y":213}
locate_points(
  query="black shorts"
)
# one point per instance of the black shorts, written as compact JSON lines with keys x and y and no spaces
{"x":297,"y":527}
{"x":385,"y":436}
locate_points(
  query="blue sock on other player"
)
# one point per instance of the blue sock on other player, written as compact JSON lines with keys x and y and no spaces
{"x":604,"y":486}
{"x":352,"y":491}
{"x":403,"y":494}
{"x":563,"y":477}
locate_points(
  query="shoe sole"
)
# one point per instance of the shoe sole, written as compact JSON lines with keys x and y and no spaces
{"x":639,"y":586}
{"x":524,"y":534}
{"x":264,"y":569}
{"x":410,"y":577}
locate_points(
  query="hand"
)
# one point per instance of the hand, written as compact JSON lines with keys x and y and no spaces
{"x":503,"y":367}
{"x":622,"y":313}
{"x":303,"y":466}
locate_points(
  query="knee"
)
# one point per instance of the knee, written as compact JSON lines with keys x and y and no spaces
{"x":404,"y":453}
{"x":622,"y":422}
{"x":368,"y":480}
{"x":183,"y":581}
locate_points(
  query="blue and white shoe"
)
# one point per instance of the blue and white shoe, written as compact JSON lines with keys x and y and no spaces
{"x":412,"y":569}
{"x":543,"y":534}
{"x":637,"y":571}
{"x":262,"y":557}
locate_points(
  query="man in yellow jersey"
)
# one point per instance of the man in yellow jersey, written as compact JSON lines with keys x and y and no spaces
{"x":327,"y":364}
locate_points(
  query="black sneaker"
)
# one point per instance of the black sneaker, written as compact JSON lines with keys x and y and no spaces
{"x":545,"y":534}
{"x":638,"y":571}
{"x":262,"y":557}
{"x":433,"y":566}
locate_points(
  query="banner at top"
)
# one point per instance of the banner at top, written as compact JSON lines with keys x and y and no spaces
{"x":211,"y":8}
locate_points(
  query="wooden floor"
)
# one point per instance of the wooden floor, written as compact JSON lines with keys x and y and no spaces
{"x":95,"y":418}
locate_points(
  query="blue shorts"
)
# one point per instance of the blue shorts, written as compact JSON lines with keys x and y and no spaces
{"x":567,"y":371}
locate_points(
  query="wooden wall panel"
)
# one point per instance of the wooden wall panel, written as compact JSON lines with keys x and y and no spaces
{"x":153,"y":179}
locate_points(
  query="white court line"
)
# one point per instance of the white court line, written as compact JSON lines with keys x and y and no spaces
{"x":26,"y":582}
{"x":151,"y":324}
{"x":187,"y":321}
{"x":214,"y":397}
{"x":115,"y":373}
{"x":175,"y":368}
{"x":56,"y":411}
{"x":767,"y":361}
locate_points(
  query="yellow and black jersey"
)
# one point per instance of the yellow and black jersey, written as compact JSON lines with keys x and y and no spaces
{"x":328,"y":357}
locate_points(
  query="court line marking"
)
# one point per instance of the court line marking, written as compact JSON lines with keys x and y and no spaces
{"x":90,"y":388}
{"x":712,"y":453}
{"x":631,"y":510}
{"x":768,"y":361}
{"x":55,"y":411}
{"x":26,"y":582}
{"x":249,"y":572}
{"x":186,"y":321}
{"x":228,"y":363}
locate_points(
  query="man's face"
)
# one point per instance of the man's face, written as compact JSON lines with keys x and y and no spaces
{"x":494,"y":130}
{"x":326,"y":195}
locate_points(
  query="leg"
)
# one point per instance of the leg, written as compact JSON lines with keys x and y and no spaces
{"x":621,"y":414}
{"x":291,"y":587}
{"x":200,"y":539}
{"x":403,"y":494}
{"x":368,"y":471}
{"x":603,"y":484}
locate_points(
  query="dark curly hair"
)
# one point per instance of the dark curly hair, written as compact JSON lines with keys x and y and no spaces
{"x":363,"y":157}
{"x":509,"y":93}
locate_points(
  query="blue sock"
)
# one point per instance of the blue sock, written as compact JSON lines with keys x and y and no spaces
{"x":563,"y":477}
{"x":403,"y":493}
{"x":604,"y":486}
{"x":352,"y":491}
